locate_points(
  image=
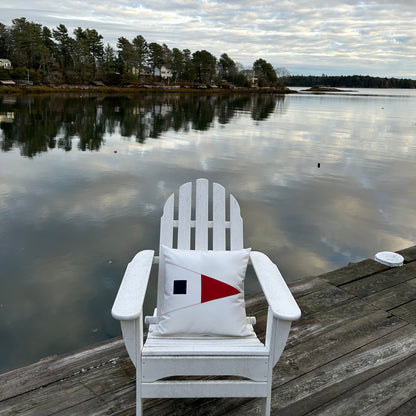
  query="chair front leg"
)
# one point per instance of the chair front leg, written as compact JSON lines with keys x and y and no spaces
{"x":266,"y":405}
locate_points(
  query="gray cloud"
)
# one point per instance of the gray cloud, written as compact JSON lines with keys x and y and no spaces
{"x":333,"y":36}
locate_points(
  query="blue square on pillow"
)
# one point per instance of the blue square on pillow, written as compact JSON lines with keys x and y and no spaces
{"x":179,"y":287}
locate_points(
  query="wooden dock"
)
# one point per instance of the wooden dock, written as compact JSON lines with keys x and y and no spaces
{"x":353,"y":352}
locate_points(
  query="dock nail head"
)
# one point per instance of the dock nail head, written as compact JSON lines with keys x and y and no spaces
{"x":389,"y":258}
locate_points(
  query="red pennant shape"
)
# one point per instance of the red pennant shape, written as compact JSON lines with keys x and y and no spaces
{"x":212,"y":289}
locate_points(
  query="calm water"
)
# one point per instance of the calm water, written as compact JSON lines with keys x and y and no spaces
{"x":73,"y":211}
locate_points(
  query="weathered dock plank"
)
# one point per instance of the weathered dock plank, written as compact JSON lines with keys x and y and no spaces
{"x":322,"y":299}
{"x":354,"y":271}
{"x":304,"y":394}
{"x":394,"y":297}
{"x":324,"y":321}
{"x":379,"y":395}
{"x":111,"y":389}
{"x":406,"y":312}
{"x":48,"y":400}
{"x":353,"y":352}
{"x":65,"y":383}
{"x":54,"y":369}
{"x":308,"y":285}
{"x":409,"y":408}
{"x":317,"y":351}
{"x":381,"y":281}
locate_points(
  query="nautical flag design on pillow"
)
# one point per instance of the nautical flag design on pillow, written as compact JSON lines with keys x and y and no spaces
{"x":203,"y":293}
{"x":193,"y":287}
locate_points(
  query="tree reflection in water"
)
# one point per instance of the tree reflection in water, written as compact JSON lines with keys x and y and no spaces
{"x":40,"y":123}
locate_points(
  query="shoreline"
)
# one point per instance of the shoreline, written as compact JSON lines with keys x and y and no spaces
{"x":136,"y":90}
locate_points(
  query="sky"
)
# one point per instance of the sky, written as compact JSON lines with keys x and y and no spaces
{"x":307,"y":37}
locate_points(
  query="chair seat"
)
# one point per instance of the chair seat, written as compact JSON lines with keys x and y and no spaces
{"x":243,"y":357}
{"x":192,"y":346}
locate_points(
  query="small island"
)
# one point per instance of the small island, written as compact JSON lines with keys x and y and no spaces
{"x":323,"y":88}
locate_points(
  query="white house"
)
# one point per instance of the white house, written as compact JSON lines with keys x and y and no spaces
{"x":145,"y":71}
{"x":164,"y":72}
{"x":5,"y":63}
{"x":250,"y":74}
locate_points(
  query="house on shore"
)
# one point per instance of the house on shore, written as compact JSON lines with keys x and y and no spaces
{"x":141,"y":72}
{"x":5,"y":63}
{"x":164,"y":72}
{"x":7,"y":83}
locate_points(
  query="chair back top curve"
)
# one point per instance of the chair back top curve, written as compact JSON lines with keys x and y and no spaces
{"x":200,"y":220}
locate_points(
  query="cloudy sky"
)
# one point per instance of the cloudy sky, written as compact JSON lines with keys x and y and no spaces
{"x":335,"y":37}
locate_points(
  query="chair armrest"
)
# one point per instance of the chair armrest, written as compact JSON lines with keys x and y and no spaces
{"x":278,"y":295}
{"x":129,"y":300}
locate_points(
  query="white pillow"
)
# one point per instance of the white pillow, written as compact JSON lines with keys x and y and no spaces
{"x":204,"y":293}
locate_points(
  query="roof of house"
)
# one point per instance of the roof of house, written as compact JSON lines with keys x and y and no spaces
{"x":7,"y":82}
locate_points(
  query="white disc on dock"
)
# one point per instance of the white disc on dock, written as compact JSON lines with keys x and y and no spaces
{"x":389,"y":258}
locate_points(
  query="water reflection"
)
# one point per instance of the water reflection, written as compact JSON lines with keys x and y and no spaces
{"x":70,"y":221}
{"x":40,"y":123}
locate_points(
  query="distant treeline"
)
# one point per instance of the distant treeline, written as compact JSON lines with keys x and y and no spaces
{"x":349,"y":81}
{"x":32,"y":53}
{"x":40,"y":55}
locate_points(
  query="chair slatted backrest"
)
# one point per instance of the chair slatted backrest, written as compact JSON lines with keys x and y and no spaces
{"x":194,"y":229}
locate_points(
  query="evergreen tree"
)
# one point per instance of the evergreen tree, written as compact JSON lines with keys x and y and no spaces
{"x":156,"y":57}
{"x":141,"y":53}
{"x":64,"y":47}
{"x":177,"y":65}
{"x":188,"y":73}
{"x":48,"y":50}
{"x":204,"y":64}
{"x":27,"y":43}
{"x":167,"y":56}
{"x":108,"y":63}
{"x":5,"y":41}
{"x":227,"y":67}
{"x":126,"y":54}
{"x":265,"y":72}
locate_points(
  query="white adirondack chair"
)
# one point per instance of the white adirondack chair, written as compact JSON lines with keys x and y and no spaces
{"x":246,"y":358}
